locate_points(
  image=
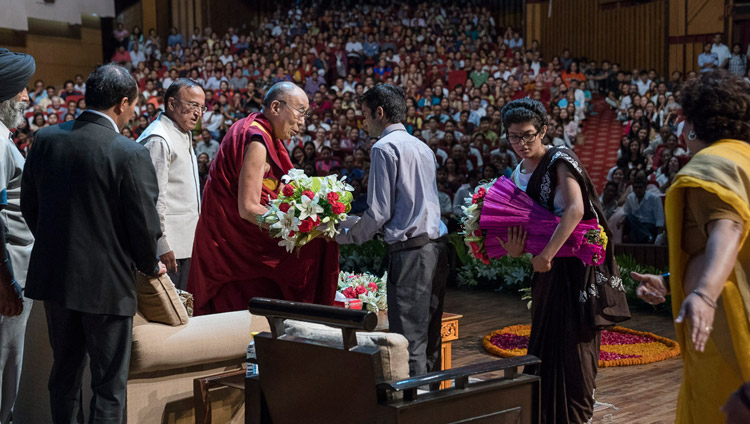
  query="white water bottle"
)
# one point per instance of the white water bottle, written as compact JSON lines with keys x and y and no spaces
{"x":252,"y":365}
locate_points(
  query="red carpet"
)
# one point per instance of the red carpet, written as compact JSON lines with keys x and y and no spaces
{"x":602,"y":133}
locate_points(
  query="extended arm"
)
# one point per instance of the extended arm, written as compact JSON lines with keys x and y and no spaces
{"x":380,"y":199}
{"x":704,"y":288}
{"x":251,"y":182}
{"x":572,"y":215}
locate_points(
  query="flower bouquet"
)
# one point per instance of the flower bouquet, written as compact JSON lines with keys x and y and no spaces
{"x":474,"y":237}
{"x":504,"y":206}
{"x":365,"y":287}
{"x":307,"y":207}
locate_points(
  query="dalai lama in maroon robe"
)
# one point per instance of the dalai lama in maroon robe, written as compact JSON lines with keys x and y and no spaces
{"x":233,"y":258}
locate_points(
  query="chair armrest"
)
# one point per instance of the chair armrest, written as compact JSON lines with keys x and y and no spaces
{"x":461,"y":375}
{"x":203,"y":340}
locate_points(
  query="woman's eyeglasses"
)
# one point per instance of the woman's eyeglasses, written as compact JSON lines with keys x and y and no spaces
{"x":527,"y":138}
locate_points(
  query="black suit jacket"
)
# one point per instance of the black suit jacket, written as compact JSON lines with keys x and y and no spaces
{"x":89,"y":197}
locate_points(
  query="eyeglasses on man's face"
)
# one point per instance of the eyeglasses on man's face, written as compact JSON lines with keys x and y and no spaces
{"x":526,"y":138}
{"x":193,"y":106}
{"x":301,"y":113}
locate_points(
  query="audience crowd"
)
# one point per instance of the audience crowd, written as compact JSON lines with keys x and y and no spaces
{"x":457,"y":68}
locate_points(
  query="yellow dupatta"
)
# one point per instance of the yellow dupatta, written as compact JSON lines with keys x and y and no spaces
{"x":710,"y":377}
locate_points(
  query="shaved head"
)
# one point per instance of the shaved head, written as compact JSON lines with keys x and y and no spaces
{"x":286,"y":107}
{"x":282,"y":91}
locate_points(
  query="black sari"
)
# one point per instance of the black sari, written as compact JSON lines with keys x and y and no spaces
{"x":570,"y":305}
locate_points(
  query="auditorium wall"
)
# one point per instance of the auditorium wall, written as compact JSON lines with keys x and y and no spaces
{"x":630,"y":33}
{"x":690,"y":27}
{"x":666,"y":35}
{"x":61,"y":50}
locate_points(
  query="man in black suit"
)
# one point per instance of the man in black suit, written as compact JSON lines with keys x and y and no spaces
{"x":89,"y":195}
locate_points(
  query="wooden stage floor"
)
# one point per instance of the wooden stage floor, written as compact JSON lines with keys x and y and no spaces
{"x":643,"y":393}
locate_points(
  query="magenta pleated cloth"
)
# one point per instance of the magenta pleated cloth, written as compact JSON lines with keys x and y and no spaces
{"x":507,"y":206}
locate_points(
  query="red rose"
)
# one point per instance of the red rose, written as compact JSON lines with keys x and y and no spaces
{"x":338,"y":207}
{"x":306,"y":225}
{"x":288,"y":190}
{"x":372,"y":286}
{"x":317,"y":221}
{"x":349,"y":293}
{"x":292,"y":234}
{"x":308,"y":193}
{"x":482,"y":192}
{"x":332,"y":197}
{"x":360,"y":290}
{"x":474,"y":246}
{"x":477,"y":233}
{"x":284,"y":207}
{"x":474,"y":199}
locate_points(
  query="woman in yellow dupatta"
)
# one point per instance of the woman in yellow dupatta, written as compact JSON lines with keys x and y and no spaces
{"x":708,"y":221}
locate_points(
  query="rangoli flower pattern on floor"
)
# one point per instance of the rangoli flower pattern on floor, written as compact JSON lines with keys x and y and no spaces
{"x":620,"y":346}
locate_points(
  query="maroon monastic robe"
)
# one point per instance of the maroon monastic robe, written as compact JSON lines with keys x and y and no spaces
{"x":234,"y":260}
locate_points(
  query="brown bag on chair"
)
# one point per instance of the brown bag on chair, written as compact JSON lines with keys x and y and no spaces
{"x":158,"y":300}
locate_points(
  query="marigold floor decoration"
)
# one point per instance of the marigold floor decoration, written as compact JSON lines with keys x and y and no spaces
{"x":620,"y":346}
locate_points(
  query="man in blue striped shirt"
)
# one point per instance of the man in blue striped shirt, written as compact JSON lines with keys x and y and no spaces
{"x":402,"y":199}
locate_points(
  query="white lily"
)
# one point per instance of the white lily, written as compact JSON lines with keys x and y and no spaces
{"x":308,"y":207}
{"x":294,"y":174}
{"x":287,"y":223}
{"x":288,"y":243}
{"x":330,"y":230}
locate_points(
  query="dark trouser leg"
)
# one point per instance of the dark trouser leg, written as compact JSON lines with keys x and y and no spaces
{"x":434,"y":337}
{"x":108,"y":340}
{"x":180,"y":278}
{"x":410,"y":278}
{"x":66,"y":337}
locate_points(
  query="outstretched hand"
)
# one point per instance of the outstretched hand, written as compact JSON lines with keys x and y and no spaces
{"x":652,"y":288}
{"x":516,"y":243}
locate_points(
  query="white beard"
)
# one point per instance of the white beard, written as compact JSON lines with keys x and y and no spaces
{"x":11,"y":112}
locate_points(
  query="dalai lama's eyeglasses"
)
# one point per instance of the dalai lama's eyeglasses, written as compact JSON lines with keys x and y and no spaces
{"x":299,"y":112}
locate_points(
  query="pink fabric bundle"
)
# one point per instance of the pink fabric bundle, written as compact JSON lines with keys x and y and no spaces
{"x":507,"y":206}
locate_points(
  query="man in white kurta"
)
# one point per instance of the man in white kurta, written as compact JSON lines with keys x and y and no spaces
{"x":169,"y":139}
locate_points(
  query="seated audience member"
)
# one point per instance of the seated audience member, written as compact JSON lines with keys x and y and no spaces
{"x":465,"y":191}
{"x":350,"y":171}
{"x":613,"y":212}
{"x":446,"y":205}
{"x":325,"y":163}
{"x":644,"y":214}
{"x":298,"y":157}
{"x":667,"y":173}
{"x":207,"y":145}
{"x":359,"y":201}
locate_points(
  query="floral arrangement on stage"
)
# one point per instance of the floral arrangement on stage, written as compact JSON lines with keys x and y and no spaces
{"x":619,"y":346}
{"x":366,"y":287}
{"x":495,"y":209}
{"x":308,"y":207}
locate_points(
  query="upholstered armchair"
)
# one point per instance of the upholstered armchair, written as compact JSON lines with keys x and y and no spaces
{"x":164,"y":362}
{"x":322,"y":364}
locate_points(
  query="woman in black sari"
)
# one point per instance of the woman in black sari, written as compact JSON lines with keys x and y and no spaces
{"x":571,"y":301}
